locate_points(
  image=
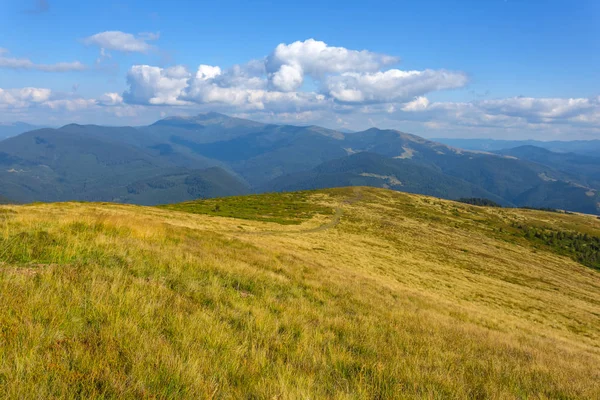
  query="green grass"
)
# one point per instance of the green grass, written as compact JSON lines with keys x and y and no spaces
{"x":403,"y":299}
{"x":582,"y":247}
{"x":281,"y":208}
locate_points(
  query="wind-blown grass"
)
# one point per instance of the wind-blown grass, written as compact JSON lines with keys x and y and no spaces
{"x":408,"y":296}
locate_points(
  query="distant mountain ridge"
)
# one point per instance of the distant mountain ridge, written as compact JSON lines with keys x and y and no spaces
{"x":15,"y":128}
{"x":211,"y":154}
{"x":587,"y":147}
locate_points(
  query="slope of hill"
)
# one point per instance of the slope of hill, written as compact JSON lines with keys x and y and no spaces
{"x":340,"y":293}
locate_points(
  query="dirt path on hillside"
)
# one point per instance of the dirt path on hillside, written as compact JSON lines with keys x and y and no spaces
{"x":337,"y":217}
{"x":335,"y":221}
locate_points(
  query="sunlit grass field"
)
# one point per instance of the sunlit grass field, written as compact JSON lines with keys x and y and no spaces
{"x":353,"y":293}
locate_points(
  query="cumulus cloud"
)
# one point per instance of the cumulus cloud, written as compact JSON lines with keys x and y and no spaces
{"x":71,"y":104}
{"x":156,"y":86}
{"x":18,"y":98}
{"x":308,"y":81}
{"x":111,"y":99}
{"x":543,"y":109}
{"x":275,"y":83}
{"x":289,"y":63}
{"x":390,"y":86}
{"x":288,"y":78}
{"x":43,"y":104}
{"x":418,"y":104}
{"x":514,"y":112}
{"x":241,"y":87}
{"x":26,"y":64}
{"x":122,"y":41}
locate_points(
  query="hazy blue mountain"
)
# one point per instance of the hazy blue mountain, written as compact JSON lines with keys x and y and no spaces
{"x":89,"y":163}
{"x":257,"y":152}
{"x":15,"y":128}
{"x":585,"y":170}
{"x":5,"y":200}
{"x":588,"y":147}
{"x":561,"y":195}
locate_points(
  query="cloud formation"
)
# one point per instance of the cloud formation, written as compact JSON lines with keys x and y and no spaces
{"x":289,"y":63}
{"x":392,"y":85}
{"x":27,"y":64}
{"x":511,"y":111}
{"x":122,"y":41}
{"x":19,"y":98}
{"x":275,"y":83}
{"x":156,"y":86}
{"x":306,"y":82}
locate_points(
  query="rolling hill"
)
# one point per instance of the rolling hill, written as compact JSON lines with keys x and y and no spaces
{"x":339,"y":293}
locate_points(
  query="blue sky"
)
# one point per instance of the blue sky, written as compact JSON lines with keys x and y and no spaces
{"x":494,"y":68}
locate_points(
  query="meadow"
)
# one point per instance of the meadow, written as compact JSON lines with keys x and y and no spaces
{"x":351,"y":293}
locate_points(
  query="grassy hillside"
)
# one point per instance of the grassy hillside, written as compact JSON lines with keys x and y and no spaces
{"x":340,"y":293}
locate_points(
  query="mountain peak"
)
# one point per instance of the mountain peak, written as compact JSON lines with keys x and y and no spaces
{"x":210,"y":115}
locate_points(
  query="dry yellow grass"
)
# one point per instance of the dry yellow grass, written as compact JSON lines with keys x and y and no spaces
{"x":406,"y":297}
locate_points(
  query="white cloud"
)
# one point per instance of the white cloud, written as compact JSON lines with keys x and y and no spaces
{"x":111,"y":99}
{"x":546,"y":109}
{"x":25,"y":63}
{"x":390,"y":86}
{"x":288,"y":63}
{"x":122,"y":41}
{"x":71,"y":104}
{"x":19,"y":98}
{"x":514,"y":117}
{"x":236,"y":87}
{"x":317,"y":57}
{"x":275,"y":83}
{"x":307,"y":82}
{"x":288,"y":78}
{"x":206,"y":72}
{"x":418,"y":104}
{"x":156,"y":86}
{"x":515,"y":109}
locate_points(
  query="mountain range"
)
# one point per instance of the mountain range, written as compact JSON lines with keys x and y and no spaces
{"x":213,"y":155}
